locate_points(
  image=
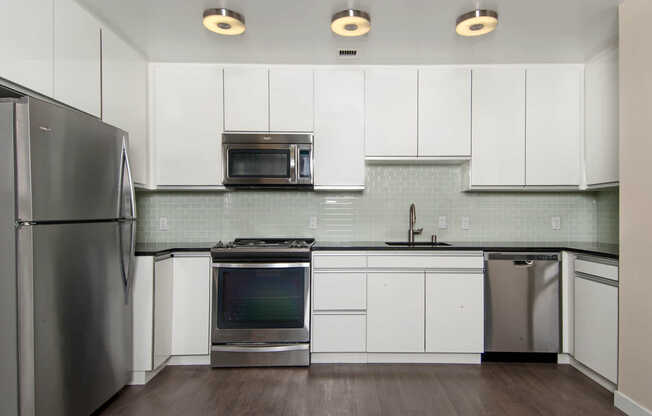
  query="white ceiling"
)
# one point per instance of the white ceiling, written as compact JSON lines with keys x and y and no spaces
{"x":403,"y":31}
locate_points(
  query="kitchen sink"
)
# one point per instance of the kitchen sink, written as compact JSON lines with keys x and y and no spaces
{"x":416,"y":243}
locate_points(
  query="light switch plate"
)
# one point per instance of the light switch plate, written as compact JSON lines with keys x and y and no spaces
{"x":163,"y":223}
{"x":313,"y":223}
{"x":556,"y":223}
{"x":466,"y":223}
{"x":443,"y":222}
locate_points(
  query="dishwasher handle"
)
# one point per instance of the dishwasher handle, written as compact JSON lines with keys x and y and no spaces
{"x":523,"y":263}
{"x":521,"y":258}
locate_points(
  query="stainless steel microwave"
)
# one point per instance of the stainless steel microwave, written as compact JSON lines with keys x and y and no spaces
{"x":274,"y":159}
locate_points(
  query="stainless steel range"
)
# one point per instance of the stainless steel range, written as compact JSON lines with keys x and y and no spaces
{"x":261,"y":303}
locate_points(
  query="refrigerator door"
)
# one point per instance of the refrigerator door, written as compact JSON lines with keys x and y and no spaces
{"x":68,"y":164}
{"x":75,"y":330}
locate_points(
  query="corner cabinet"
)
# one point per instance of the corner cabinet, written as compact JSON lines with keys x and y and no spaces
{"x":186,"y":125}
{"x":339,"y":130}
{"x":77,"y":57}
{"x":602,"y":127}
{"x":124,"y":99}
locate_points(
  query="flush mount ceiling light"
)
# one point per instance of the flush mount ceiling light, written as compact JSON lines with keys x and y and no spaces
{"x":351,"y":22}
{"x":224,"y":21}
{"x":476,"y":23}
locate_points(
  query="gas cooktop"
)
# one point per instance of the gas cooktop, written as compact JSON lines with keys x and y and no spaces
{"x":269,"y":248}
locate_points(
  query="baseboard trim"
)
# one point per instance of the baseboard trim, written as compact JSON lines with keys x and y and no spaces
{"x":398,"y":358}
{"x":190,"y":360}
{"x":629,"y":406}
{"x":139,"y":378}
{"x":563,"y":358}
{"x":592,"y":375}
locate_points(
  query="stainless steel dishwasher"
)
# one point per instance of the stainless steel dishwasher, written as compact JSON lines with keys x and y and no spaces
{"x":522,"y":302}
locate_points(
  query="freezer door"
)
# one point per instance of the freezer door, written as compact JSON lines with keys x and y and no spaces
{"x":68,"y":164}
{"x":76,"y":348}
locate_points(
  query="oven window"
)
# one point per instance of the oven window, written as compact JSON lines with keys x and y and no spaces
{"x":261,"y":298}
{"x":259,"y":163}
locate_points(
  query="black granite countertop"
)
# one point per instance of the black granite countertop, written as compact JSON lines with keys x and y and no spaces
{"x":158,"y":249}
{"x":598,"y":249}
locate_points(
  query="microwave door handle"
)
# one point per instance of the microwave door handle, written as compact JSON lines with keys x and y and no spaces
{"x":294,"y":166}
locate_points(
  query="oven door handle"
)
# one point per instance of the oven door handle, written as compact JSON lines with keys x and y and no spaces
{"x":259,"y":265}
{"x":262,"y":348}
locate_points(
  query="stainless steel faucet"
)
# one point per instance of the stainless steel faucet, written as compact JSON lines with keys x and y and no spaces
{"x":413,"y":219}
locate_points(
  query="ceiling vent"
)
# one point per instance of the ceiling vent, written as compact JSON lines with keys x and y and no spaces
{"x":348,"y":54}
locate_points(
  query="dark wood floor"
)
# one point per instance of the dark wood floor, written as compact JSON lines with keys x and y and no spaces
{"x":346,"y":389}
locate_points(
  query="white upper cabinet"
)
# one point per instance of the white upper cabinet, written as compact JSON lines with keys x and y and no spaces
{"x":246,"y":99}
{"x":124,"y":99}
{"x":291,"y":99}
{"x":391,"y":112}
{"x":339,"y":129}
{"x":445,"y":112}
{"x":601,"y":119}
{"x":26,"y":29}
{"x":554,"y":125}
{"x":77,"y":57}
{"x":186,"y":119}
{"x":498,"y":127}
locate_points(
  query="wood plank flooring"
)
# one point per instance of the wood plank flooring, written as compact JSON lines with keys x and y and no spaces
{"x":374,"y":389}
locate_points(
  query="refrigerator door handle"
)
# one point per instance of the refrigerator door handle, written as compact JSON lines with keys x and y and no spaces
{"x":126,"y":168}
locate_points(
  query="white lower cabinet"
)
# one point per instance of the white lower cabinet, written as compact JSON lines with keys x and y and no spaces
{"x":454,"y":312}
{"x":339,"y":291}
{"x":395,"y":312}
{"x":596,"y":326}
{"x":191,"y":305}
{"x":338,"y":333}
{"x":163,"y":286}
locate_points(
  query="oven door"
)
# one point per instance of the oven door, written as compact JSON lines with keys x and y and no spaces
{"x":254,"y":302}
{"x":260,"y":164}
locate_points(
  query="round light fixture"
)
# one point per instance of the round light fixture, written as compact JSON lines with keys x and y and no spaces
{"x":224,"y":21}
{"x":476,"y":23}
{"x":351,"y":22}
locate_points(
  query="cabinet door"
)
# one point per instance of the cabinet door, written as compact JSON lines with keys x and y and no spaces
{"x":76,"y":57}
{"x":124,"y":99}
{"x":601,"y":113}
{"x":246,"y":99}
{"x":26,"y":29}
{"x":187,"y":124}
{"x":498,"y":127}
{"x":338,"y":333}
{"x":554,"y":118}
{"x":391,"y":112}
{"x":454,"y":313}
{"x":143,"y":313}
{"x":163,"y":286}
{"x":339,"y":129}
{"x":445,"y":112}
{"x":291,"y":100}
{"x":395,"y":312}
{"x":191,"y":306}
{"x":596,"y":327}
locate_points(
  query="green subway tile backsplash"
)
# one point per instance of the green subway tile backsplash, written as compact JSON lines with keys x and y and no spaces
{"x":379,"y":213}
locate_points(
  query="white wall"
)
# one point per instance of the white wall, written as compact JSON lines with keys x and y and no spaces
{"x":635,"y":346}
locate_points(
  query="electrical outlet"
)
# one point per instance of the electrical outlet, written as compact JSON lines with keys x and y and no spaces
{"x":556,"y":223}
{"x":163,"y":223}
{"x":466,"y":223}
{"x":313,"y":223}
{"x":443,"y":222}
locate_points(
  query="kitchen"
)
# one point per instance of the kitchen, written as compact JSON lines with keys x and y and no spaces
{"x":363,"y":209}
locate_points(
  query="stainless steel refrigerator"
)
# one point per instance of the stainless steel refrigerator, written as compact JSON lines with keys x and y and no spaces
{"x":68,"y":217}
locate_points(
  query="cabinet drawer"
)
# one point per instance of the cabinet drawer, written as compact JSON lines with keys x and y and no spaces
{"x":402,"y":261}
{"x":339,"y":261}
{"x":339,"y":291}
{"x":608,"y":271}
{"x":338,"y":333}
